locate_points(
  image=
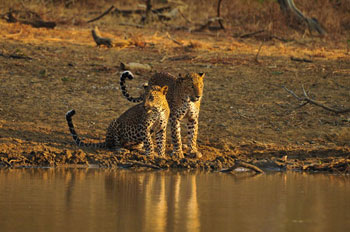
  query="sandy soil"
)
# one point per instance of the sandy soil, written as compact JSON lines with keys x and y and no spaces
{"x":245,"y":114}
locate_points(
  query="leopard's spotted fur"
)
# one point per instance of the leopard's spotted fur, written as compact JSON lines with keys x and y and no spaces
{"x":184,"y":98}
{"x":136,"y":125}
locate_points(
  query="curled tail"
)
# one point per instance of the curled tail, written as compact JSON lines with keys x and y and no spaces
{"x":130,"y":76}
{"x":76,"y":138}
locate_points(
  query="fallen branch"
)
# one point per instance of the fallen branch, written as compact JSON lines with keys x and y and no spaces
{"x":239,"y":164}
{"x":306,"y":99}
{"x":300,"y":59}
{"x":102,"y":15}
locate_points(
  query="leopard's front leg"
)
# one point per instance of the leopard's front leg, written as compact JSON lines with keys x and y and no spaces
{"x":147,"y":143}
{"x":161,"y":142}
{"x":176,"y":137}
{"x":192,"y":126}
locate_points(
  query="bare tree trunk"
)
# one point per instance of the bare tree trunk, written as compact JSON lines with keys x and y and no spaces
{"x":291,"y":11}
{"x":145,"y":18}
{"x":218,"y":15}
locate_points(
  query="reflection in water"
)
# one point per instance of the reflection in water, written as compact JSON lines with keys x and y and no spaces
{"x":161,"y":201}
{"x":109,"y":200}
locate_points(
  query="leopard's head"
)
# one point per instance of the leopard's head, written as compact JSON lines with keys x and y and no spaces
{"x":155,"y":97}
{"x":193,"y":85}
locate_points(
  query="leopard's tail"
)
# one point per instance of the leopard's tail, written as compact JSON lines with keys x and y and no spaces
{"x":76,"y":138}
{"x":130,"y":76}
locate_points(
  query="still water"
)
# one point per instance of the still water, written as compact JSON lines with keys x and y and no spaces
{"x":122,"y":200}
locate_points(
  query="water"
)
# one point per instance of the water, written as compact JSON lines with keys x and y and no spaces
{"x":114,"y":200}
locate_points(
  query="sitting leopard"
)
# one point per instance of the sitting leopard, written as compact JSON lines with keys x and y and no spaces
{"x":184,"y":98}
{"x":136,"y":125}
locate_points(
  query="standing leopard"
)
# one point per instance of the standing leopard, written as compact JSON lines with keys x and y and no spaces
{"x":184,"y":98}
{"x":136,"y":125}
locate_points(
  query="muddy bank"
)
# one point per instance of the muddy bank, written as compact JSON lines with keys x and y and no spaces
{"x":265,"y":157}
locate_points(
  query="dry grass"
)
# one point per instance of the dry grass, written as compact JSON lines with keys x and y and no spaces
{"x":240,"y":16}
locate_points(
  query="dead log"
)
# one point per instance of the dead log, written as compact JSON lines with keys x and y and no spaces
{"x":37,"y":22}
{"x":306,"y":100}
{"x":292,"y":12}
{"x":40,"y":24}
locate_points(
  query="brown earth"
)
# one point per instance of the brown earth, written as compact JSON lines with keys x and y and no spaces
{"x":245,"y":113}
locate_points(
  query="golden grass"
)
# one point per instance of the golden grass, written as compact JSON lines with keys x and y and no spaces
{"x":160,"y":40}
{"x":240,"y":17}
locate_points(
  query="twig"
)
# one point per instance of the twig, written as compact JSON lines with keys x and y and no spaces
{"x":16,"y":56}
{"x":102,"y":15}
{"x":183,"y":16}
{"x":132,"y":25}
{"x":244,"y":165}
{"x":281,"y":39}
{"x":7,"y":163}
{"x":257,"y":54}
{"x":174,"y":40}
{"x":251,"y":34}
{"x":306,"y":99}
{"x":140,"y":164}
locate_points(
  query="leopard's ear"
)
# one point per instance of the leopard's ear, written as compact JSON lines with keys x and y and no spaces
{"x":164,"y":89}
{"x":202,"y":75}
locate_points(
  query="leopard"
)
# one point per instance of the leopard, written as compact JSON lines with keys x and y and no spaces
{"x":136,"y":126}
{"x":184,"y":99}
